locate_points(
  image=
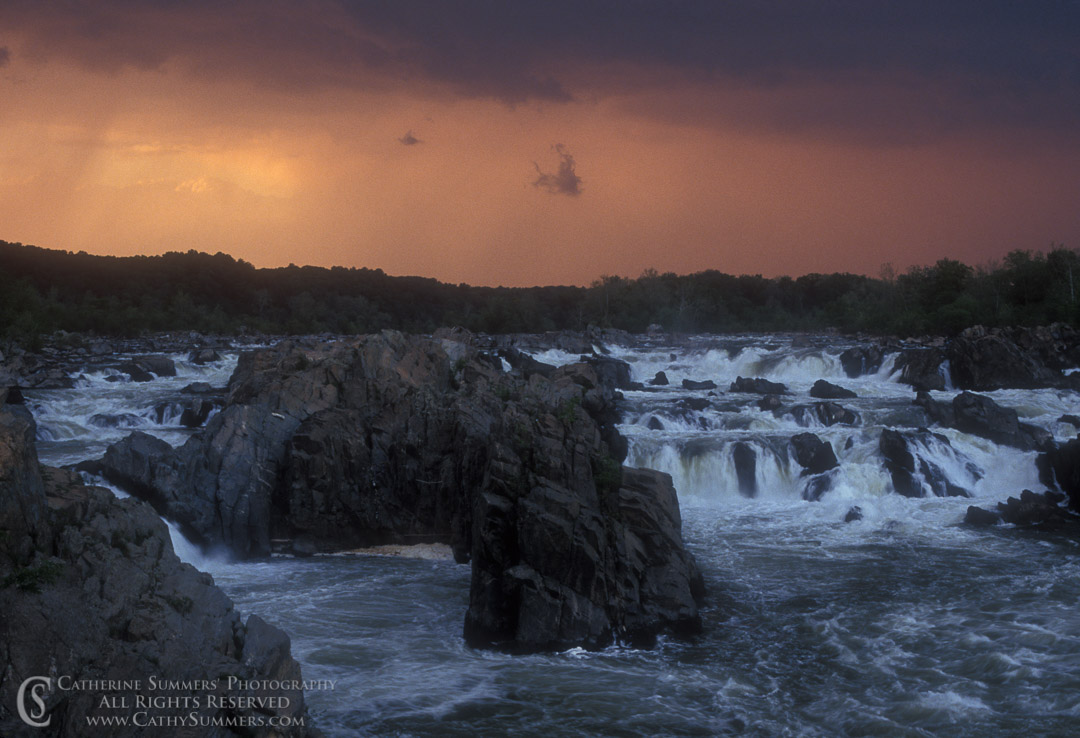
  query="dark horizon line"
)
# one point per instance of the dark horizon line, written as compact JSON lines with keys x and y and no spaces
{"x":989,"y":263}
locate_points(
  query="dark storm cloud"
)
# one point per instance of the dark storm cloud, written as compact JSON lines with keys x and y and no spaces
{"x":961,"y":62}
{"x":564,"y":181}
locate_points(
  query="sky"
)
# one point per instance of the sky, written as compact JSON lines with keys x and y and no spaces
{"x":504,"y":142}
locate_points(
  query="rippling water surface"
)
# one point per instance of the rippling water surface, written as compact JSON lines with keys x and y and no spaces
{"x":902,"y":623}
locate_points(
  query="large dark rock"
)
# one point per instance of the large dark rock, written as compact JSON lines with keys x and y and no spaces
{"x":921,"y":368}
{"x":990,"y":362}
{"x":826,"y":413}
{"x":757,"y":385}
{"x":828,"y":391}
{"x":660,"y":380}
{"x":745,"y":458}
{"x":90,"y":587}
{"x":861,"y":360}
{"x":695,"y":384}
{"x":813,"y":454}
{"x":549,"y":573}
{"x":1060,"y":466}
{"x":981,"y":416}
{"x":912,"y":474}
{"x":395,"y":439}
{"x":1031,"y":510}
{"x":613,"y":373}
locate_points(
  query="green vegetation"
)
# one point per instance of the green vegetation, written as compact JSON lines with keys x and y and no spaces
{"x":43,"y":291}
{"x":33,"y":578}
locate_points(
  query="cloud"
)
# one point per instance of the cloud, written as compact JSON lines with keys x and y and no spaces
{"x":409,"y":139}
{"x":563,"y":182}
{"x":5,"y":55}
{"x":969,"y":63}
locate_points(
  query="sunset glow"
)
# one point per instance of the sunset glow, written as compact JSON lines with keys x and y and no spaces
{"x":351,"y":134}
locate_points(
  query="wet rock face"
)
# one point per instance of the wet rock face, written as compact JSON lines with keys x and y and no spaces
{"x":913,"y":475}
{"x":992,"y":362}
{"x":861,"y":360}
{"x":921,"y":368}
{"x":395,"y":439}
{"x":828,"y":391}
{"x":92,"y":588}
{"x":757,"y":385}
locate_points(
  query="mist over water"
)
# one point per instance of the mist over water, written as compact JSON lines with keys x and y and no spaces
{"x":900,"y":623}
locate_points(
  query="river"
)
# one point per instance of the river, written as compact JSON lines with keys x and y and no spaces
{"x":900,"y":623}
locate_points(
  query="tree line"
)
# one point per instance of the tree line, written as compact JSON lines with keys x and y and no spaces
{"x":43,"y":291}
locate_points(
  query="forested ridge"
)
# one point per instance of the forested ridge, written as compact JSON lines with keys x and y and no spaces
{"x":43,"y":291}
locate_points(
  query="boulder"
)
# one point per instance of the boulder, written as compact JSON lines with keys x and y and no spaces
{"x":745,"y":458}
{"x":854,"y":513}
{"x":660,"y":380}
{"x":828,"y":391}
{"x":93,"y":588}
{"x":981,"y":416}
{"x":861,"y":360}
{"x":693,"y":384}
{"x":1060,"y":467}
{"x":912,"y":474}
{"x":813,"y":454}
{"x":758,"y":386}
{"x":1039,"y":511}
{"x":613,"y":373}
{"x":992,"y":362}
{"x":825,"y":413}
{"x":395,"y":439}
{"x":770,"y":402}
{"x":204,"y":356}
{"x":921,"y":368}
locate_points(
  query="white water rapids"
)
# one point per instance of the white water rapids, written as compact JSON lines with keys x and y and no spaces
{"x":901,"y":623}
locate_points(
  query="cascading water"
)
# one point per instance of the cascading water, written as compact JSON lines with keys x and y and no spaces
{"x":899,"y":621}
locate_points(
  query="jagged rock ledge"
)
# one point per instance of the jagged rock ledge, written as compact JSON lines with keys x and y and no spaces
{"x":90,"y":589}
{"x":387,"y":438}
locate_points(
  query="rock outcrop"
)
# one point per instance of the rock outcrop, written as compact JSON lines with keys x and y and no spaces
{"x":90,"y":588}
{"x":395,"y":439}
{"x":912,"y":474}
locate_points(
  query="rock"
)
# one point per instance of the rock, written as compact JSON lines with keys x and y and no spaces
{"x":660,"y":380}
{"x":992,"y":362}
{"x":613,"y":373}
{"x":936,"y":412}
{"x":1039,"y":511}
{"x":826,"y":413}
{"x":691,"y":384}
{"x":117,"y":420}
{"x":921,"y":368}
{"x":198,"y":388}
{"x":745,"y":468}
{"x":980,"y":518}
{"x":757,"y":386}
{"x":854,"y":513}
{"x":540,"y":580}
{"x":1060,"y":467}
{"x":526,"y":364}
{"x":829,"y":391}
{"x":696,"y":404}
{"x":1072,"y":420}
{"x":389,"y":439}
{"x":861,"y":360}
{"x":770,"y":402}
{"x":981,"y":416}
{"x":655,"y":423}
{"x":816,"y":487}
{"x":93,"y":588}
{"x":203,"y":356}
{"x":813,"y":454}
{"x":912,"y":475}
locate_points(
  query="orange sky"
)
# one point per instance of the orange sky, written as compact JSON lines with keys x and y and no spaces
{"x":169,"y":131}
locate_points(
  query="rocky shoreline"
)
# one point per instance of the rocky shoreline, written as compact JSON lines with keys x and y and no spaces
{"x":331,"y":444}
{"x":93,"y":592}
